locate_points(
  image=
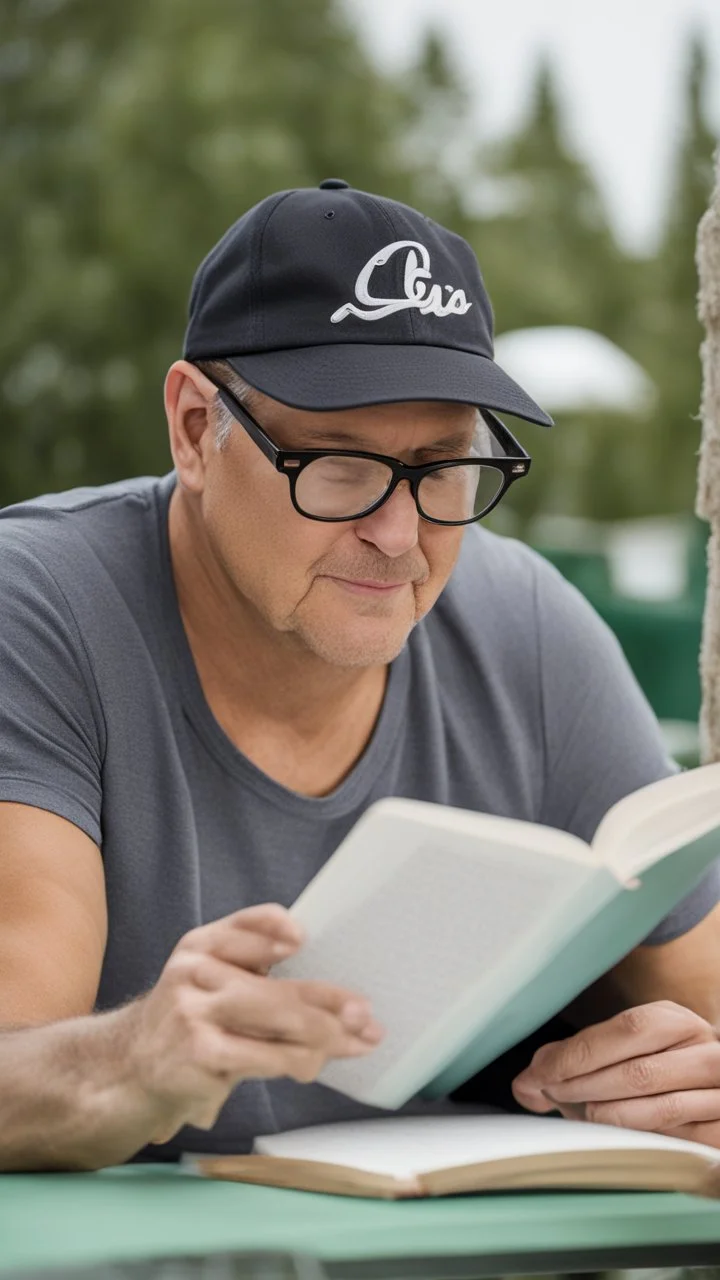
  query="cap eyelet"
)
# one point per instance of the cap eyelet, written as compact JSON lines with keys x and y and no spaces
{"x":329,"y":213}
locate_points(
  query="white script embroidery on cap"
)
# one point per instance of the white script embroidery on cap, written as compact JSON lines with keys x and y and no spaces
{"x":417,"y":294}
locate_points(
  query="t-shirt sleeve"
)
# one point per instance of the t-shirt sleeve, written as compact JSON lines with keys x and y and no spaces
{"x":601,"y":739}
{"x":51,"y":722}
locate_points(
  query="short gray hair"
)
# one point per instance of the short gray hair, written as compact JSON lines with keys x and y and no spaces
{"x":482,"y":436}
{"x":223,"y":421}
{"x":221,"y":371}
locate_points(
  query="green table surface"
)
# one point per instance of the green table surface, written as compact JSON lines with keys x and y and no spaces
{"x":153,"y":1211}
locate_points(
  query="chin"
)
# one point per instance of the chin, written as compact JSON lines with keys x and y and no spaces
{"x":359,"y":647}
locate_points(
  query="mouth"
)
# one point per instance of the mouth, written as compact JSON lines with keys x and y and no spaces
{"x":368,"y":587}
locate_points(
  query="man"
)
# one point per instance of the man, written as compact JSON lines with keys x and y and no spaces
{"x":208,"y":677}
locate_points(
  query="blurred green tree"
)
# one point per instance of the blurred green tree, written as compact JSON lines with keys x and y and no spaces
{"x":439,"y":133}
{"x":549,"y":257}
{"x":131,"y":136}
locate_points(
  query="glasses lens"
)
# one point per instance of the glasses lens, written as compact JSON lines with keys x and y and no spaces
{"x":337,"y":487}
{"x":459,"y":493}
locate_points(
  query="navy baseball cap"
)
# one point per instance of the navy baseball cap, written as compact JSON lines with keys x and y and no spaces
{"x":331,"y":298}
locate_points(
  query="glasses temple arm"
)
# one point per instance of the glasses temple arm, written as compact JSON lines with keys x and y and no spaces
{"x":504,"y":437}
{"x":246,"y":420}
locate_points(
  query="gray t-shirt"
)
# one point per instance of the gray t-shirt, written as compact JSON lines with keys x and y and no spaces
{"x":511,"y":697}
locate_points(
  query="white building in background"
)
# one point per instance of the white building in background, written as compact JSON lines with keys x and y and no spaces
{"x":572,"y":370}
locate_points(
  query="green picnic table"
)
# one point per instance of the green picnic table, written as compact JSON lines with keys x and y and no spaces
{"x":158,"y":1212}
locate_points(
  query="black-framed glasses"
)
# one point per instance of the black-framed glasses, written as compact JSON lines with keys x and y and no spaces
{"x":333,"y":485}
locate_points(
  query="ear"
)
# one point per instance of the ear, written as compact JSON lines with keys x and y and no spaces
{"x":189,"y":397}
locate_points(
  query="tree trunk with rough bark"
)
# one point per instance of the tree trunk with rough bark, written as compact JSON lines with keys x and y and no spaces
{"x":708,"y":496}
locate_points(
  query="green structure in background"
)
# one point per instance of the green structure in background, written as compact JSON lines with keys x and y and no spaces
{"x":660,"y":638}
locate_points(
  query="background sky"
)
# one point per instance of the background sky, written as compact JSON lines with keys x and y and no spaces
{"x":620,"y":71}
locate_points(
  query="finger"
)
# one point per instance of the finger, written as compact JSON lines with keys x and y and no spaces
{"x":353,"y":1010}
{"x":659,"y":1113}
{"x":263,"y":1061}
{"x":243,"y":948}
{"x":348,"y":1005}
{"x":545,"y":1103}
{"x":211,"y":974}
{"x":539,"y":1100}
{"x":224,"y":1060}
{"x":202,"y":1112}
{"x":221,"y":1060}
{"x":569,"y":1110}
{"x":249,"y":1004}
{"x":275,"y":1010}
{"x":214,"y":975}
{"x":229,"y":1059}
{"x":693,"y":1067}
{"x":646,"y":1029}
{"x":268,"y":919}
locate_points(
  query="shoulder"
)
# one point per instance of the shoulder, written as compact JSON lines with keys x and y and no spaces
{"x":63,"y":535}
{"x":80,"y":505}
{"x":504,"y":589}
{"x":510,"y":613}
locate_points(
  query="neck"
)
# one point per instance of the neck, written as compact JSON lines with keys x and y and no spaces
{"x":248,"y":669}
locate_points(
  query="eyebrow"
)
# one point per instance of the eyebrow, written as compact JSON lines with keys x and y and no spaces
{"x":457,"y":445}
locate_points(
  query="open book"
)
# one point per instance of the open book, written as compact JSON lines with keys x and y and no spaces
{"x":468,"y":931}
{"x":403,"y":1156}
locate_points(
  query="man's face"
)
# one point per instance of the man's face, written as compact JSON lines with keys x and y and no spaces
{"x":349,"y":592}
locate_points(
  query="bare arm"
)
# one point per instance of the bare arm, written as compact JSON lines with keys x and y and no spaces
{"x":63,"y":1101}
{"x":86,"y":1092}
{"x":686,"y":970}
{"x":53,"y":922}
{"x":79,"y":1090}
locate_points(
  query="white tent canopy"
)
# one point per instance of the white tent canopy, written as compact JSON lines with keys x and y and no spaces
{"x":568,"y":369}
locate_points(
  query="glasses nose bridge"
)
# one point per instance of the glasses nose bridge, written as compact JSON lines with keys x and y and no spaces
{"x":401,"y":472}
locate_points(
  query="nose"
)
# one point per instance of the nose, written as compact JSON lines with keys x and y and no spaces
{"x":393,"y":528}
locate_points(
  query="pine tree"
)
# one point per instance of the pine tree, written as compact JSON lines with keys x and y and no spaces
{"x":549,"y":257}
{"x":135,"y":133}
{"x":440,"y":142}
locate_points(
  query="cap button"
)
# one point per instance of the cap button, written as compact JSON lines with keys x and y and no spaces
{"x":333,"y":184}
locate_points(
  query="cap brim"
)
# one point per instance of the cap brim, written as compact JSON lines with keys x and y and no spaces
{"x":350,"y":375}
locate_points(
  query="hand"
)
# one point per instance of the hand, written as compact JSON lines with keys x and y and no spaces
{"x":655,"y":1067}
{"x":215,"y":1018}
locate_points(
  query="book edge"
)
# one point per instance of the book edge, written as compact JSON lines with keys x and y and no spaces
{"x":307,"y":1175}
{"x":612,"y":1168}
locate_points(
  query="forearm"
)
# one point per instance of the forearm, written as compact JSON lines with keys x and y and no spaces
{"x":68,"y":1099}
{"x":634,"y":983}
{"x":91,"y":1091}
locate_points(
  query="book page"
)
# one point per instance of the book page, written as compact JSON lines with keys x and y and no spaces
{"x":405,"y":1146}
{"x":423,"y":922}
{"x":652,"y":822}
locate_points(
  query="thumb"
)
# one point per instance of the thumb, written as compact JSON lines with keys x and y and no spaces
{"x":531,"y":1096}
